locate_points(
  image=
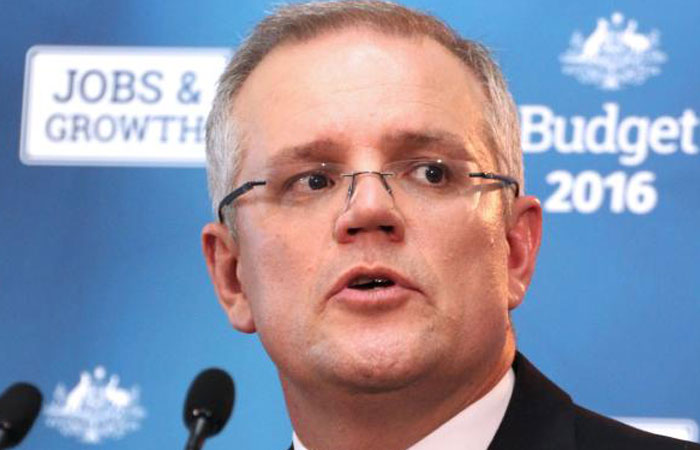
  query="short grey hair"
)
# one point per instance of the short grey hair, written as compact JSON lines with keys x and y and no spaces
{"x":301,"y":22}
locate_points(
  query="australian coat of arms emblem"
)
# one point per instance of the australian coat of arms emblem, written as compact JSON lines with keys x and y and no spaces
{"x":615,"y":54}
{"x":95,"y":409}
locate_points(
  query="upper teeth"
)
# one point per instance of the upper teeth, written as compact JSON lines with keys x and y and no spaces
{"x":365,"y":279}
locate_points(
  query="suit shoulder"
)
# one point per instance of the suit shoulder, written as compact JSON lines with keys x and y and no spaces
{"x":596,"y":432}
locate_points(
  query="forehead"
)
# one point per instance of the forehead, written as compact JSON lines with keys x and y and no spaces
{"x":356,"y":89}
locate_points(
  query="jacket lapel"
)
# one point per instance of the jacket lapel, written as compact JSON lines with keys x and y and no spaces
{"x":539,"y":416}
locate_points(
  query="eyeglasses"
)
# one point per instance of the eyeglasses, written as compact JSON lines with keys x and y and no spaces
{"x":303,"y":188}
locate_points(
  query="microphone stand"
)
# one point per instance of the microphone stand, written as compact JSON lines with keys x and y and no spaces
{"x":199,"y":430}
{"x":4,"y":434}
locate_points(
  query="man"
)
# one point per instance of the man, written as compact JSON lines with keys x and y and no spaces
{"x":365,"y":165}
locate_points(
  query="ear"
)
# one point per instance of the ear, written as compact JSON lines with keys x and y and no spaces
{"x":221,"y":254}
{"x":524,"y":235}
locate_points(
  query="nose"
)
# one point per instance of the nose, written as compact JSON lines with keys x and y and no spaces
{"x":370,"y":210}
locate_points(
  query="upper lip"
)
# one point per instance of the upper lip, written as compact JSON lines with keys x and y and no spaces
{"x":372,"y":272}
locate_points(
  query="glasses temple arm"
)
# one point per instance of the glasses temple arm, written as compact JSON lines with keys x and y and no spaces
{"x":503,"y":178}
{"x":240,"y":190}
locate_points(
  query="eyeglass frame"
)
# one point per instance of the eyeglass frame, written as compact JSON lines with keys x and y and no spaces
{"x":249,"y":185}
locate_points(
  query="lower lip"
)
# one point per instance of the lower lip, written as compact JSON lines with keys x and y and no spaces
{"x":369,"y":300}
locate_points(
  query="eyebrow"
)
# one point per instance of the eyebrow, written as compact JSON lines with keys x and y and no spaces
{"x":445,"y":143}
{"x":400,"y":144}
{"x":319,"y":150}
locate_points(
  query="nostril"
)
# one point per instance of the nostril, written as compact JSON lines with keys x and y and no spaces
{"x":353,"y":231}
{"x":387,"y":228}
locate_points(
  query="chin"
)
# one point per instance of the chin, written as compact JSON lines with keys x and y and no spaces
{"x":378,"y":365}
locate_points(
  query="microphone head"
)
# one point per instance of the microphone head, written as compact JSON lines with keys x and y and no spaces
{"x":19,"y":407}
{"x":211,"y":395}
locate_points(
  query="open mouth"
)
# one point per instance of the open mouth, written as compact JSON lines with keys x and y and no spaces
{"x":365,"y":283}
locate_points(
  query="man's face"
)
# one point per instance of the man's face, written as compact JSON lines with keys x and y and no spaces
{"x":364,"y":99}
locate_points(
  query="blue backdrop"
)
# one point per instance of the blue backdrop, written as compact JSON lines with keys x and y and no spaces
{"x":101,"y":266}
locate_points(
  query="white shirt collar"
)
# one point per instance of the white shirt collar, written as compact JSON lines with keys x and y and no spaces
{"x":472,"y":429}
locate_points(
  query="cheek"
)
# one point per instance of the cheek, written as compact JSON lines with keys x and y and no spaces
{"x":476,"y":299}
{"x":469,"y":256}
{"x":277,"y":274}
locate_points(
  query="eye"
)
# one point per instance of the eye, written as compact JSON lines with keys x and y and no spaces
{"x":310,"y":182}
{"x":316,"y":181}
{"x":433,"y":173}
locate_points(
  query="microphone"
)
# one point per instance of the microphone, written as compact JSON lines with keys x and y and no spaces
{"x":208,"y":406}
{"x":19,"y":407}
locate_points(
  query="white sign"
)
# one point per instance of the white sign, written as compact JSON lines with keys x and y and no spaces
{"x":118,"y":105}
{"x":685,"y":429}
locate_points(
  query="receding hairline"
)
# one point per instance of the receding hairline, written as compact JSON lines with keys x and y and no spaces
{"x":472,"y":80}
{"x":447,"y":41}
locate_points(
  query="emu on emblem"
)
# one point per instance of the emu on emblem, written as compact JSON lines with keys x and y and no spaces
{"x":95,"y":409}
{"x":613,"y":55}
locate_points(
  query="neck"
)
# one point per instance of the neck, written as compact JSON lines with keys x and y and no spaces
{"x":332,"y":418}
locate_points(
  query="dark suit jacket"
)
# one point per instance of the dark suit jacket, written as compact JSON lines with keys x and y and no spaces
{"x":540,"y":416}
